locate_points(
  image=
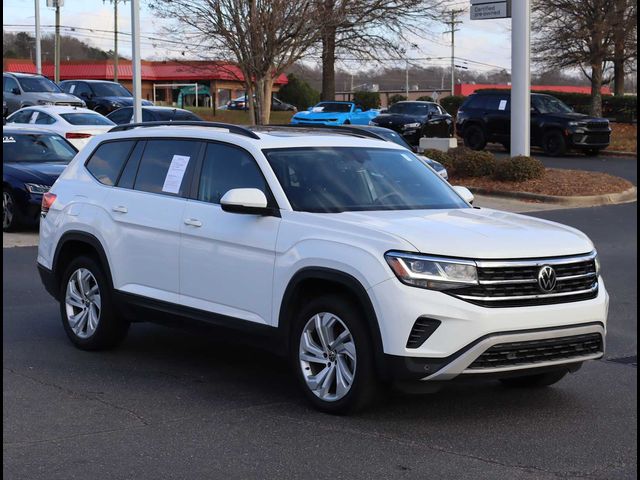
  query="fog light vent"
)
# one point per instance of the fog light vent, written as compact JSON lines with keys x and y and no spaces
{"x":422,"y":329}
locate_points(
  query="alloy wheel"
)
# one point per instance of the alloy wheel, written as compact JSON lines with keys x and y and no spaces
{"x":83,"y":303}
{"x":7,"y":210}
{"x":327,"y":356}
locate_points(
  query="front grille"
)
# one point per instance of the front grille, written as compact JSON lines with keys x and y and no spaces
{"x":538,"y":351}
{"x":515,"y":284}
{"x":598,"y":125}
{"x":596,"y":138}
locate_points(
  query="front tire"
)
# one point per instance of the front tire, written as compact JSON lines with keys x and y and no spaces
{"x":534,"y":381}
{"x":9,"y":211}
{"x":332,"y":355}
{"x":554,"y":144}
{"x":474,"y":137}
{"x":86,"y":307}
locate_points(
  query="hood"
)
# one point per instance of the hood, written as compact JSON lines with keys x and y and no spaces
{"x":474,"y":233}
{"x":53,"y":97}
{"x":45,"y":173}
{"x":318,"y":115}
{"x":124,"y":101}
{"x":397,"y":119}
{"x":575,"y":117}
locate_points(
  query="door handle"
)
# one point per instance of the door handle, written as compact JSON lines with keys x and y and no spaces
{"x":192,"y":222}
{"x":120,"y":209}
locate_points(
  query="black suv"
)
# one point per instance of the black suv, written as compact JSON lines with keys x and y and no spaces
{"x":100,"y":95}
{"x":486,"y":117}
{"x":414,"y":120}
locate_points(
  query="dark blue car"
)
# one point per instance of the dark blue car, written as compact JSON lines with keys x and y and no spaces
{"x":32,"y":160}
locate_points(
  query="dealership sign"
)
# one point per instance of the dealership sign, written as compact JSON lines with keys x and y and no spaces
{"x":488,"y":9}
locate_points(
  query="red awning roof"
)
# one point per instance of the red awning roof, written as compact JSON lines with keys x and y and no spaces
{"x":468,"y":88}
{"x":151,"y":71}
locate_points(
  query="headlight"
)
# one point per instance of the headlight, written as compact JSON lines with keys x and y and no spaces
{"x":411,"y":125}
{"x":577,"y":124}
{"x":371,"y":122}
{"x":116,"y":105}
{"x":434,"y":273}
{"x":37,"y":188}
{"x":45,"y":102}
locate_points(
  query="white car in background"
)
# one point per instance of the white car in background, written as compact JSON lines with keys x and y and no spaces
{"x":75,"y":124}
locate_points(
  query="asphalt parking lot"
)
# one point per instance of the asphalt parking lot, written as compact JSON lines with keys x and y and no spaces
{"x":172,"y":404}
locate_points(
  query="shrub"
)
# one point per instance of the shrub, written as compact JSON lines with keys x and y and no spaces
{"x":519,"y":169}
{"x":439,"y":156}
{"x":425,"y":98}
{"x":470,"y":163}
{"x":299,"y":93}
{"x":452,"y":103}
{"x":367,"y":100}
{"x":396,"y":98}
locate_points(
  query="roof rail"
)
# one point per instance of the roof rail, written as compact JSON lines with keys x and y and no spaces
{"x":228,"y":126}
{"x":343,"y":129}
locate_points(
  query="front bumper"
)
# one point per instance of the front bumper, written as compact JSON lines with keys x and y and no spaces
{"x":585,"y":138}
{"x":466,"y":331}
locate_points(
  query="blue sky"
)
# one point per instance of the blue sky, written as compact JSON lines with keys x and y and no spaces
{"x":486,"y":41}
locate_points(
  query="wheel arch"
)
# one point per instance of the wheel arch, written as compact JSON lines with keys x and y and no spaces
{"x":310,"y":280}
{"x":74,"y":243}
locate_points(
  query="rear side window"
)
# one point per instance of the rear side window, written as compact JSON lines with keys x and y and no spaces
{"x":475,"y":101}
{"x":498,"y":102}
{"x":86,"y":119}
{"x":106,"y":162}
{"x":44,"y":119}
{"x":165,"y":166}
{"x":120,"y":116}
{"x":226,"y":167}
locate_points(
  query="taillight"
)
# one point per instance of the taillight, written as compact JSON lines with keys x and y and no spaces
{"x":47,"y":200}
{"x":77,"y":135}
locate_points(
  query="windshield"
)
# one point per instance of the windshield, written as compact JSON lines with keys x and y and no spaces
{"x":344,"y":179}
{"x":37,"y":148}
{"x":327,"y":107}
{"x":418,"y":109}
{"x":110,"y":90}
{"x":392,"y":136}
{"x":38,"y":84}
{"x":548,"y":104}
{"x":176,"y":115}
{"x":86,"y":119}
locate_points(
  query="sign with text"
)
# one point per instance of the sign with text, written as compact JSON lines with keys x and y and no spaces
{"x":488,"y":9}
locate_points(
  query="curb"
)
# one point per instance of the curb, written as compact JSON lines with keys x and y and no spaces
{"x":630,"y":195}
{"x":613,"y":153}
{"x":617,"y":153}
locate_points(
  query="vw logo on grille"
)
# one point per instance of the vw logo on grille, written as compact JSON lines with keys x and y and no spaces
{"x":547,"y":278}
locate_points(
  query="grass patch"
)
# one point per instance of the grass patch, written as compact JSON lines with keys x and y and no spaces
{"x":237,"y":117}
{"x":562,"y":183}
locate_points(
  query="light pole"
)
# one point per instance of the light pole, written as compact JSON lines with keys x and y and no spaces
{"x":38,"y":42}
{"x":520,"y":77}
{"x":115,"y":37}
{"x":135,"y":61}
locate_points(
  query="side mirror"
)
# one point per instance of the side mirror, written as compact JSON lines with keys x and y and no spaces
{"x":15,"y":91}
{"x":358,"y":110}
{"x":465,"y":193}
{"x":249,"y":201}
{"x":384,"y":110}
{"x":310,"y":109}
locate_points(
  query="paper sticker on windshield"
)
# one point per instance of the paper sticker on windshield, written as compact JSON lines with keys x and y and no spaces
{"x":8,"y":140}
{"x":503,"y":105}
{"x":73,"y":87}
{"x":317,"y":109}
{"x":175,"y":174}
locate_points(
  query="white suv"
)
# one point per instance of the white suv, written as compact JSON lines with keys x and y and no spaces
{"x":347,"y":254}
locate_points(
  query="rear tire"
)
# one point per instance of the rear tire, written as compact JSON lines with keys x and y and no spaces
{"x":337,"y":377}
{"x":474,"y":137}
{"x":10,"y":212}
{"x":86,"y":307}
{"x":534,"y":381}
{"x":554,"y":144}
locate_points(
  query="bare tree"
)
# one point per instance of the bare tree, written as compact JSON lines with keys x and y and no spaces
{"x":365,"y":29}
{"x":575,"y":34}
{"x":625,"y":41}
{"x":264,"y":37}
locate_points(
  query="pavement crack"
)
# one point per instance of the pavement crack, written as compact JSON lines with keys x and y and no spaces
{"x":79,"y":395}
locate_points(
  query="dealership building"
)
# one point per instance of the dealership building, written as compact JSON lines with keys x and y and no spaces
{"x":163,"y":82}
